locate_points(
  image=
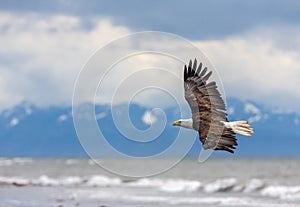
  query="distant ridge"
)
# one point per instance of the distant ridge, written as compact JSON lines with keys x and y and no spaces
{"x":26,"y":130}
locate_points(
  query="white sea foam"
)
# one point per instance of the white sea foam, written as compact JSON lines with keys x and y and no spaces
{"x":127,"y":197}
{"x":220,"y":185}
{"x":254,"y":185}
{"x":44,"y":180}
{"x":180,"y":186}
{"x":92,"y":162}
{"x":71,"y":162}
{"x":41,"y":181}
{"x":100,"y":180}
{"x":12,"y":161}
{"x":145,"y":182}
{"x":72,"y":180}
{"x":22,"y":161}
{"x":6,"y":162}
{"x":168,"y":185}
{"x":282,"y":192}
{"x":14,"y":181}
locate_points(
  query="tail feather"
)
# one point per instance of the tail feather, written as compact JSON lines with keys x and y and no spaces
{"x":240,"y":127}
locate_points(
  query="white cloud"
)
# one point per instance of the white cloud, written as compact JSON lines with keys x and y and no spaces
{"x":42,"y":55}
{"x":258,"y":66}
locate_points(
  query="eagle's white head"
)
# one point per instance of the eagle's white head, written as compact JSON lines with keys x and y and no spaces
{"x":186,"y":123}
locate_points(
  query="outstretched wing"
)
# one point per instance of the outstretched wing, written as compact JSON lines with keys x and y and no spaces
{"x":208,"y":109}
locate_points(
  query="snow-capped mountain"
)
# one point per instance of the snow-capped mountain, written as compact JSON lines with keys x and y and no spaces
{"x":26,"y":130}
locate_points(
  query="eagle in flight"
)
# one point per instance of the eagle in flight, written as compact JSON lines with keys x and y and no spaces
{"x":209,"y":115}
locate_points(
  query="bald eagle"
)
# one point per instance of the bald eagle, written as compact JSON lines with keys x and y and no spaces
{"x":209,"y":115}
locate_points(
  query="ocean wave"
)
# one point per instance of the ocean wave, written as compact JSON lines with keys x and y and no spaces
{"x":71,"y":162}
{"x":220,"y":185}
{"x":173,"y":200}
{"x":170,"y":186}
{"x":44,"y":180}
{"x":161,"y":200}
{"x":254,"y":185}
{"x":14,"y":181}
{"x":12,"y":161}
{"x":283,"y":192}
{"x":102,"y":181}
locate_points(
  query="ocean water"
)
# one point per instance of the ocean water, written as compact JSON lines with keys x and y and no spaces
{"x":219,"y":182}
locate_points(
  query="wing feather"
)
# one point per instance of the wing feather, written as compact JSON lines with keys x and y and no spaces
{"x":199,"y":68}
{"x":203,"y":72}
{"x":195,"y":65}
{"x":208,"y":109}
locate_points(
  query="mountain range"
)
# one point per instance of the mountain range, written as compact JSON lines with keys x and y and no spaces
{"x":27,"y":130}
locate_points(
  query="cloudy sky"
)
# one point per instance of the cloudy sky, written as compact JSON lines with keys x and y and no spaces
{"x":254,"y":45}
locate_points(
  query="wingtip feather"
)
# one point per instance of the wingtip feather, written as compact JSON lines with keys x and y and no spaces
{"x":195,"y":65}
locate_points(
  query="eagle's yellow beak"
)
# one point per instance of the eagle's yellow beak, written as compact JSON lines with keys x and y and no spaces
{"x":176,"y":123}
